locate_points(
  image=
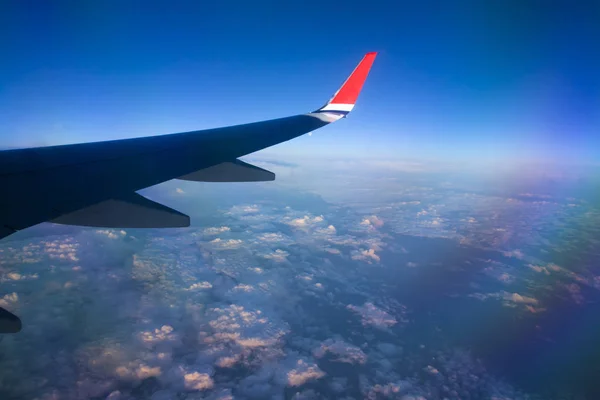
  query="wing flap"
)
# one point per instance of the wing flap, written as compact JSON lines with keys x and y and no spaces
{"x":231,"y":171}
{"x":133,"y":211}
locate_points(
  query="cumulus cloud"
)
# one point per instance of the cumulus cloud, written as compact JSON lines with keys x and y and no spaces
{"x":272,"y":237}
{"x":368,"y":256}
{"x":9,"y":299}
{"x":372,"y":221}
{"x":305,"y":221}
{"x":330,"y":230}
{"x":243,"y":288}
{"x":15,"y":276}
{"x":135,"y":371}
{"x":515,"y":253}
{"x":64,"y":251}
{"x":303,"y":372}
{"x":111,"y":234}
{"x":374,"y":316}
{"x":230,"y":244}
{"x":512,"y":300}
{"x":216,"y":230}
{"x":158,"y":335}
{"x":277,"y":255}
{"x":200,"y":286}
{"x":244,"y":209}
{"x":202,"y":309}
{"x":538,"y":268}
{"x":198,"y":381}
{"x":341,"y":351}
{"x":248,"y":329}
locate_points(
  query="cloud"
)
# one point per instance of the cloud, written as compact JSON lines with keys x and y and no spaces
{"x":112,"y":234}
{"x":9,"y":299}
{"x":198,"y":381}
{"x":538,"y":268}
{"x":374,"y":316}
{"x":136,"y":371}
{"x":514,"y":253}
{"x":372,"y":221}
{"x":177,"y":308}
{"x":65,"y":251}
{"x":342,"y":352}
{"x":241,"y":210}
{"x":158,"y":335}
{"x":330,"y":230}
{"x":248,"y":329}
{"x":243,"y":288}
{"x":277,"y":256}
{"x":303,"y":372}
{"x":512,"y":300}
{"x":200,"y":286}
{"x":230,"y":244}
{"x":365,"y":255}
{"x":15,"y":276}
{"x":216,"y":230}
{"x":305,"y":221}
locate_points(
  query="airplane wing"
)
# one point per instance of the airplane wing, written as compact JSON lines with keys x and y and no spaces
{"x":95,"y":184}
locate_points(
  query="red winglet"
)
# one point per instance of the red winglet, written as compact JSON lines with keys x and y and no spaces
{"x":349,"y":91}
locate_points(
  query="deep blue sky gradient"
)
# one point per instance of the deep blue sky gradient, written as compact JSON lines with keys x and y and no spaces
{"x":453,"y":80}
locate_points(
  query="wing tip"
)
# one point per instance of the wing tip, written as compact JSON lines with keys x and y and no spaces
{"x":344,"y":99}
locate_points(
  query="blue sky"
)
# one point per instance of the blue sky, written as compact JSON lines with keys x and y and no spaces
{"x":453,"y":80}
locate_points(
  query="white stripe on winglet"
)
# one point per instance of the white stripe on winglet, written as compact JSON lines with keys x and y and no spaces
{"x":338,"y":107}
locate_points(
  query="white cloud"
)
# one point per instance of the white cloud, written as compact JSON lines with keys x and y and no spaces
{"x":277,"y":256}
{"x":272,"y":237}
{"x":216,"y":230}
{"x":241,"y":210}
{"x":9,"y":299}
{"x":15,"y":276}
{"x":229,"y":244}
{"x":372,"y":220}
{"x":514,"y":253}
{"x":330,"y":230}
{"x":198,"y":381}
{"x":303,"y":372}
{"x":200,"y":285}
{"x":305,"y":221}
{"x":531,"y":304}
{"x":111,"y":234}
{"x":372,"y":315}
{"x":342,"y":351}
{"x":164,"y":333}
{"x":365,"y":255}
{"x":243,"y":288}
{"x":137,"y":371}
{"x":538,"y":268}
